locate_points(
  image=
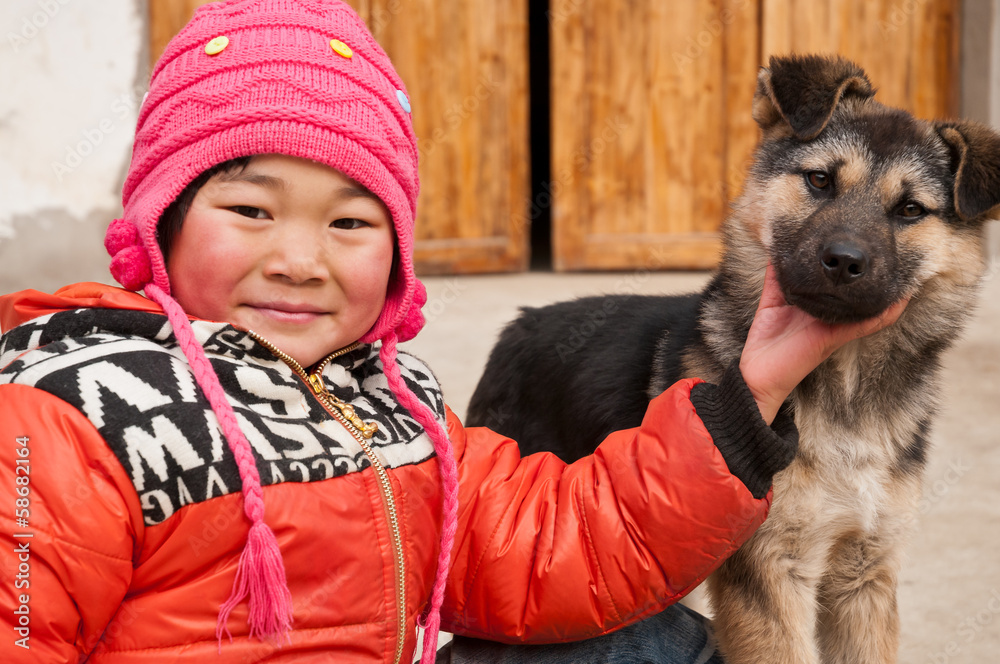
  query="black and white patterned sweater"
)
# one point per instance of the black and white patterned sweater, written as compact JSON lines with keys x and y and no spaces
{"x":126,"y":373}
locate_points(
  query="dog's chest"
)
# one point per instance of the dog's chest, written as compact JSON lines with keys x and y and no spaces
{"x":844,"y":478}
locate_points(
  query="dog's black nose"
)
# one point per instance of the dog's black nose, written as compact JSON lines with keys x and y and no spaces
{"x":843,"y":262}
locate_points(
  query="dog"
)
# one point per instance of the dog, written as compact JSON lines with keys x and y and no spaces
{"x":857,"y":205}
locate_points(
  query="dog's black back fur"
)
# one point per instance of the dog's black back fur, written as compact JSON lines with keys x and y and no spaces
{"x":585,"y":400}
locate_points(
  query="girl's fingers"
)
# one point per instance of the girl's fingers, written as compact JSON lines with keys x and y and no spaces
{"x":771,"y":297}
{"x":846,"y":333}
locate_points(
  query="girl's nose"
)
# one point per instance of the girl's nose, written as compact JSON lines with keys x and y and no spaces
{"x":297,"y":256}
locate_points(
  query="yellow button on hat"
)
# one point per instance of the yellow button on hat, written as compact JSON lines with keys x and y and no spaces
{"x":341,"y":48}
{"x":217,"y":45}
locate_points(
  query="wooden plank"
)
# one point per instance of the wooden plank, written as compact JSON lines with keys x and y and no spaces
{"x":652,"y":251}
{"x":166,"y":18}
{"x":742,"y":62}
{"x":909,"y":49}
{"x":646,"y":134}
{"x":465,"y":64}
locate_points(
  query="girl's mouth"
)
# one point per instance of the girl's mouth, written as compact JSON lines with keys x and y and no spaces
{"x":288,"y":313}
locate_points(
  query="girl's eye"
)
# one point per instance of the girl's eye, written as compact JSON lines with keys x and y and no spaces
{"x":818,"y":179}
{"x":911,"y":210}
{"x":349,"y":224}
{"x":249,"y":211}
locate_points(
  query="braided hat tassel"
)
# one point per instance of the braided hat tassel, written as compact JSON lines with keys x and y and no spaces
{"x":447,"y":466}
{"x":261,"y":572}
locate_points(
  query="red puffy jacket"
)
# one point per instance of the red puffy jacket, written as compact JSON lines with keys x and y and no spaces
{"x":545,"y":551}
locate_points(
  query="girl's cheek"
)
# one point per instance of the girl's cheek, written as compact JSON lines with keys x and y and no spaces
{"x":226,"y":251}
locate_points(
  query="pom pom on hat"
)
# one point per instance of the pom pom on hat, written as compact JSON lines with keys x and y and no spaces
{"x":414,"y":320}
{"x":129,"y":261}
{"x":120,"y":235}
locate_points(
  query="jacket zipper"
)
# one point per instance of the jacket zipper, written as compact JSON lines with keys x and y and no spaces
{"x":362,"y":432}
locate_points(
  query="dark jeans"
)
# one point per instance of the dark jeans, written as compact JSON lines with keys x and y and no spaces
{"x":676,"y":636}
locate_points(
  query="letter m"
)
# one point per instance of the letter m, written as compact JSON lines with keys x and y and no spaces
{"x":143,"y":449}
{"x":129,"y":388}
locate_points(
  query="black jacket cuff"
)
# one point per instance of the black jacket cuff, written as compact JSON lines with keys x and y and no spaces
{"x":753,"y":451}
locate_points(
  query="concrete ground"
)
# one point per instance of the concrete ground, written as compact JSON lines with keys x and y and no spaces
{"x":949,"y":594}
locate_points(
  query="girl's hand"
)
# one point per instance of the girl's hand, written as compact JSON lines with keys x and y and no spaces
{"x":785,"y":344}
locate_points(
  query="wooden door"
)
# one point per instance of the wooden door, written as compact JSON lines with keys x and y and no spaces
{"x":647,"y":100}
{"x":465,"y":65}
{"x":651,"y":126}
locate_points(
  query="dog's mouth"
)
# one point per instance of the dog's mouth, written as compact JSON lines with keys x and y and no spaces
{"x":833,"y":309}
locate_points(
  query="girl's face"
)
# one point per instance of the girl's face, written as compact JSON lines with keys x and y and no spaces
{"x":289,"y":248}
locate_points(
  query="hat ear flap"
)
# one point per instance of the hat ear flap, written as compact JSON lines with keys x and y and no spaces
{"x":802,"y":92}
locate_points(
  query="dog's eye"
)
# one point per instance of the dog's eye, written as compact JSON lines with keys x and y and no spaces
{"x":818,"y":179}
{"x":911,"y":210}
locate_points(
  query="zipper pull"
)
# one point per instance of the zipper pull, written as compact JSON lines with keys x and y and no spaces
{"x":367,"y":429}
{"x":316,"y":383}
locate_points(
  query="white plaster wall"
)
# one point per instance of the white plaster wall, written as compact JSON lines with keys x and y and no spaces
{"x":71,"y":75}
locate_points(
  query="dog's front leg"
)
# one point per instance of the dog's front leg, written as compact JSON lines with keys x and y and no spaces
{"x":765,"y":605}
{"x":859,"y":622}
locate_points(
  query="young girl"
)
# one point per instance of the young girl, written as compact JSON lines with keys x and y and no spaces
{"x":239,"y":465}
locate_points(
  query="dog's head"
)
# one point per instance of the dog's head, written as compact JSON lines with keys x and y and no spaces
{"x":858,"y":204}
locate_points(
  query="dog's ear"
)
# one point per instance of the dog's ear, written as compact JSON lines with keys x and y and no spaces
{"x":975,"y":159}
{"x":803,"y":91}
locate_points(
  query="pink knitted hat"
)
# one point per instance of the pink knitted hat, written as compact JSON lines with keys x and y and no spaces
{"x":245,"y":78}
{"x":295,"y":77}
